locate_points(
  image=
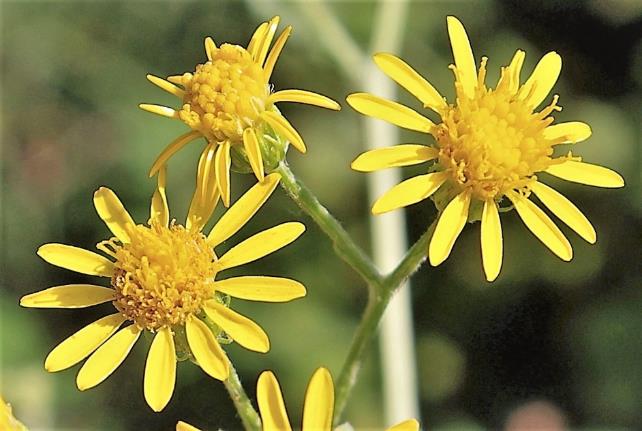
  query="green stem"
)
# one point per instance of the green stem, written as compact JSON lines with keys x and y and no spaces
{"x":343,"y":243}
{"x":249,"y":416}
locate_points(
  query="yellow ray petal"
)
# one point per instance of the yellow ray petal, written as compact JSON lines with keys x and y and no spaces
{"x":408,"y":78}
{"x":159,"y":210}
{"x":206,"y":350}
{"x":210,"y":48}
{"x":183,"y":426}
{"x":166,"y":85}
{"x":107,"y":358}
{"x":319,"y":402}
{"x":285,"y":129}
{"x":510,"y":76}
{"x":565,"y":210}
{"x":77,"y":347}
{"x":261,"y":244}
{"x":267,"y":40}
{"x":76,"y":259}
{"x":491,"y":240}
{"x":257,"y":288}
{"x":242,"y":210}
{"x":113,"y":213}
{"x":163,"y":111}
{"x":253,"y":151}
{"x":69,"y":296}
{"x":257,"y":39}
{"x":573,"y":131}
{"x":242,"y":330}
{"x":222,"y":162}
{"x":542,"y":227}
{"x":206,"y":194}
{"x":408,"y":425}
{"x":273,"y":56}
{"x":160,"y":370}
{"x":306,"y":97}
{"x":463,"y":54}
{"x":389,"y":111}
{"x":171,"y":149}
{"x":450,"y":224}
{"x":586,"y":173}
{"x":409,"y":192}
{"x":271,"y":406}
{"x":389,"y":157}
{"x":542,"y":80}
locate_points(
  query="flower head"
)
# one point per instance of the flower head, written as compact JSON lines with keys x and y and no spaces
{"x":491,"y":144}
{"x":164,"y":280}
{"x":229,"y":101}
{"x":317,"y":410}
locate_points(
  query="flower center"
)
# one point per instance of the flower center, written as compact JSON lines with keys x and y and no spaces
{"x":224,"y":95}
{"x":163,"y":275}
{"x":493,"y":142}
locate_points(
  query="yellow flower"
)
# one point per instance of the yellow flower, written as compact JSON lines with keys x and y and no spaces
{"x":229,"y":100}
{"x":490,"y":145}
{"x":317,"y":410}
{"x":163,"y":280}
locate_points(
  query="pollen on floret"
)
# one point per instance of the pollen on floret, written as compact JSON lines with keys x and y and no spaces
{"x":163,"y":275}
{"x":225,"y":95}
{"x":493,"y":143}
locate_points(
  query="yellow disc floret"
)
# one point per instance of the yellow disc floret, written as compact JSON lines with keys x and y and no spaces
{"x":163,"y":275}
{"x":225,"y":95}
{"x":493,"y":143}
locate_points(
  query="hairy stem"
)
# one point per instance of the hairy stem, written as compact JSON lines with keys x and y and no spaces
{"x":249,"y":416}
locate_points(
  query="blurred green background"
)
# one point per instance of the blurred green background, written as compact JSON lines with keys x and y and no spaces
{"x":564,"y":334}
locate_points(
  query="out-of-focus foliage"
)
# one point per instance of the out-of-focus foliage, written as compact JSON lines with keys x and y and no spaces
{"x":568,"y":333}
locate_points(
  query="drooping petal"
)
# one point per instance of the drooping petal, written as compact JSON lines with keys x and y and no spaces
{"x":285,"y":129}
{"x":450,"y":224}
{"x":256,"y":288}
{"x":206,"y":350}
{"x":113,"y":213}
{"x":463,"y":54}
{"x":319,"y":402}
{"x":305,"y":97}
{"x":80,"y":345}
{"x":408,"y":425}
{"x":253,"y":151}
{"x":166,"y":85}
{"x":586,"y":173}
{"x":69,"y":296}
{"x":159,"y":211}
{"x":542,"y":227}
{"x":261,"y":244}
{"x":107,"y":358}
{"x":184,"y":426}
{"x":542,"y":80}
{"x":573,"y":132}
{"x":163,"y":111}
{"x":491,"y":240}
{"x":271,"y":406}
{"x":395,"y":156}
{"x":171,"y":149}
{"x":242,"y":210}
{"x":206,"y":194}
{"x":565,"y":210}
{"x":76,"y":259}
{"x":242,"y":330}
{"x":408,"y":78}
{"x":222,"y":161}
{"x":389,"y":111}
{"x":160,"y":370}
{"x":409,"y":192}
{"x":273,"y":56}
{"x":210,"y":48}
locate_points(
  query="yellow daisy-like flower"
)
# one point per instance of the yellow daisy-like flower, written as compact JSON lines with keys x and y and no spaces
{"x":490,"y":145}
{"x":229,"y":100}
{"x":163,"y":280}
{"x":317,"y":411}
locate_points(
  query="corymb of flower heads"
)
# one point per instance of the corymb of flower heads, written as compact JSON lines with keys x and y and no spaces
{"x":229,"y":100}
{"x":317,"y":411}
{"x":490,"y":146}
{"x":163,"y":280}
